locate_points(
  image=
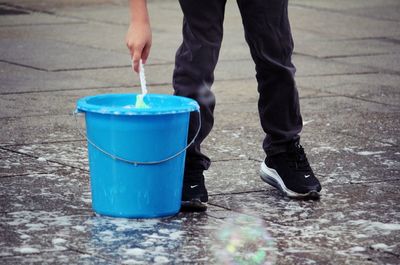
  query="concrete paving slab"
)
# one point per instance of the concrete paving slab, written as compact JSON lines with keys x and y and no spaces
{"x":39,"y":129}
{"x":66,"y":190}
{"x":36,"y":19}
{"x":110,"y":14}
{"x":374,"y":126}
{"x":350,"y":135}
{"x":385,"y":63}
{"x":17,"y":79}
{"x":382,"y":94}
{"x":337,"y":110}
{"x":119,"y":240}
{"x":354,"y":117}
{"x":51,"y":55}
{"x":110,"y":38}
{"x":14,"y":164}
{"x":338,"y":5}
{"x":68,"y":153}
{"x":341,"y":25}
{"x":245,"y":91}
{"x":340,"y":215}
{"x":165,"y":39}
{"x":346,"y":48}
{"x":339,"y":158}
{"x":168,"y":239}
{"x":41,"y":231}
{"x":375,"y":87}
{"x":383,"y":12}
{"x":64,"y":101}
{"x":376,"y":79}
{"x":225,"y":70}
{"x":53,"y":257}
{"x":233,"y":176}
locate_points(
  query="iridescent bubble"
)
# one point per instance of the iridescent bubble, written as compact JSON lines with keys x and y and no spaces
{"x":244,"y":240}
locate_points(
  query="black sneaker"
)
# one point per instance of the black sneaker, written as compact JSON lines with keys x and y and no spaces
{"x":194,"y":193}
{"x":291,"y":173}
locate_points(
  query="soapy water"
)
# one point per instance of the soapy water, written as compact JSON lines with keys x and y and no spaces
{"x":244,"y":240}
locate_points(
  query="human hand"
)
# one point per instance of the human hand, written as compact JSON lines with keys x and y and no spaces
{"x":138,"y":41}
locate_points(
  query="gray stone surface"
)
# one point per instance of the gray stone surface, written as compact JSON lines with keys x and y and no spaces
{"x":347,"y":48}
{"x":35,"y":19}
{"x":225,"y":70}
{"x":348,"y":78}
{"x":16,"y":164}
{"x":371,"y":87}
{"x":51,"y":55}
{"x":18,"y":79}
{"x":38,"y":129}
{"x":342,"y":25}
{"x":324,"y":222}
{"x":384,"y":63}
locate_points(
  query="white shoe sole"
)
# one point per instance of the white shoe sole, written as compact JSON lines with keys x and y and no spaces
{"x":270,"y":176}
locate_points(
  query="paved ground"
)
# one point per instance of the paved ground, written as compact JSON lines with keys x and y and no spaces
{"x":348,"y":59}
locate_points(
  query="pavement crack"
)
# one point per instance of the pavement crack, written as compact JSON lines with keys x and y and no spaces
{"x":341,"y":74}
{"x":48,"y":160}
{"x":357,"y":55}
{"x":24,"y":65}
{"x":41,"y":24}
{"x":46,"y":142}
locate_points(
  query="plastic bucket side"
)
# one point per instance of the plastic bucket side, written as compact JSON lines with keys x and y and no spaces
{"x":138,"y":191}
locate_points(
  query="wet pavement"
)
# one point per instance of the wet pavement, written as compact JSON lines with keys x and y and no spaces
{"x":348,"y":59}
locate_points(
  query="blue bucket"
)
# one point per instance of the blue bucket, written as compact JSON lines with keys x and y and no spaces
{"x":136,"y":155}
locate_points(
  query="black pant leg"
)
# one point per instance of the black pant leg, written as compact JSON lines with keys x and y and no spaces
{"x":195,"y":62}
{"x":268,"y":34}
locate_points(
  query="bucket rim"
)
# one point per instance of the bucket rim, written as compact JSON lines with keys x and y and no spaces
{"x":185,"y":105}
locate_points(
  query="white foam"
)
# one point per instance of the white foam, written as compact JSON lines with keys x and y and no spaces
{"x":24,"y":236}
{"x":368,"y":153}
{"x":376,"y":227}
{"x":161,"y":259}
{"x":79,"y":228}
{"x":27,"y":250}
{"x":135,"y":251}
{"x":131,"y":261}
{"x":176,"y":235}
{"x":57,"y":241}
{"x":357,"y":249}
{"x":381,"y":246}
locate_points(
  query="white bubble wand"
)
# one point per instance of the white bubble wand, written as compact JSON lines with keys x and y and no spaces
{"x":139,"y":98}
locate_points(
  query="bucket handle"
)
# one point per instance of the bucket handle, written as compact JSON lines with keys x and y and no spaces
{"x":115,"y":157}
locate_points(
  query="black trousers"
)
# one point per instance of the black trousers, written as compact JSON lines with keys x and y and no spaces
{"x":268,"y":34}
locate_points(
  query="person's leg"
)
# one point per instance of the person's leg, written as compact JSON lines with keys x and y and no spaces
{"x":267,"y":31}
{"x":268,"y":34}
{"x":193,"y":76}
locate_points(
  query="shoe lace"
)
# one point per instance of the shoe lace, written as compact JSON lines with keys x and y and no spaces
{"x":297,"y":158}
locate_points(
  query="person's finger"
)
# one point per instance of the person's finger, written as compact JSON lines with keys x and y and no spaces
{"x":130,"y":51}
{"x":145,"y":53}
{"x":129,"y":45}
{"x":136,"y":58}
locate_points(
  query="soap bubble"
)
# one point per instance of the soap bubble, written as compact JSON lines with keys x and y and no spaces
{"x":243,"y":240}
